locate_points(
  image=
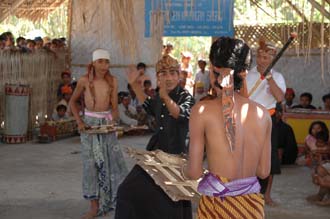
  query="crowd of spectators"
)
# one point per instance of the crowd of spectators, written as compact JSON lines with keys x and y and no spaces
{"x":21,"y":44}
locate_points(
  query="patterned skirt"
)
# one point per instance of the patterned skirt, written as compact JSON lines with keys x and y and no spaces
{"x":244,"y":206}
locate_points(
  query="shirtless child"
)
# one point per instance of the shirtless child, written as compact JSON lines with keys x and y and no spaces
{"x":237,"y":135}
{"x":103,"y":163}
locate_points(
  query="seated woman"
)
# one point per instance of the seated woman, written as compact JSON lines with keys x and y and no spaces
{"x":311,"y":140}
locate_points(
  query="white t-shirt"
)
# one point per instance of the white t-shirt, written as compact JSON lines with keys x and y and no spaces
{"x":124,"y":118}
{"x":205,"y":78}
{"x":262,"y":94}
{"x":189,"y":82}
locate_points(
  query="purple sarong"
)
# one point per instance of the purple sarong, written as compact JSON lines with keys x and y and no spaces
{"x":211,"y":185}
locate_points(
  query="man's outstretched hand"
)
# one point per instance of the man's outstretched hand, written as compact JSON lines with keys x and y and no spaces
{"x":132,"y":74}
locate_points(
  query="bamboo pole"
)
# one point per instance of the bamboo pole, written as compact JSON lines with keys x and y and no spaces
{"x":69,"y":36}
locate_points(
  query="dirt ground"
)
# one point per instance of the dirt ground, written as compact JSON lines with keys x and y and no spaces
{"x":43,"y":181}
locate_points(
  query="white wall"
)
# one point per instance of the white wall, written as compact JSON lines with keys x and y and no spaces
{"x":305,"y":75}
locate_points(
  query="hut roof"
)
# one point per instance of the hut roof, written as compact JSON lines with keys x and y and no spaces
{"x":29,"y":9}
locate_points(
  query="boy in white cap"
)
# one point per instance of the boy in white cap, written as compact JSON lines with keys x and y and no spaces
{"x":103,"y":163}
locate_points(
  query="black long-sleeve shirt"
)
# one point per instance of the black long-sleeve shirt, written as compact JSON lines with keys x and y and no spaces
{"x":171,"y":134}
{"x":283,"y":137}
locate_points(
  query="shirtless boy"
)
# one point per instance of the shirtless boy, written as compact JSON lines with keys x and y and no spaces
{"x":103,"y":163}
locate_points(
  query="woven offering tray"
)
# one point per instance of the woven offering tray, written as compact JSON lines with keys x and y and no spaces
{"x":165,"y":170}
{"x":102,"y":129}
{"x":135,"y":128}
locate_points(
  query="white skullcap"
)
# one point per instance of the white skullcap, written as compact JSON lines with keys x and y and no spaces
{"x":100,"y":54}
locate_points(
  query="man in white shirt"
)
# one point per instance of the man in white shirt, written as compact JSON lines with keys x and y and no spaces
{"x":267,"y":91}
{"x":203,"y":75}
{"x":126,"y":111}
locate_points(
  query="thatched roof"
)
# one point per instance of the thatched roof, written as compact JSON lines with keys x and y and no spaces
{"x":30,"y":9}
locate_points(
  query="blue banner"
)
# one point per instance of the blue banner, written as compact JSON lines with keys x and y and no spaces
{"x":192,"y":17}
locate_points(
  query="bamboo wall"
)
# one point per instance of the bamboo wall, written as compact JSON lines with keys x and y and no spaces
{"x":278,"y":34}
{"x":41,"y":71}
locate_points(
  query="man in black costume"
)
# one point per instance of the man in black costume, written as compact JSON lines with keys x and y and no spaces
{"x":138,"y":196}
{"x":283,"y":138}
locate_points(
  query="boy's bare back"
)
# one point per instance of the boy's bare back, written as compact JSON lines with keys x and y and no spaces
{"x":252,"y":147}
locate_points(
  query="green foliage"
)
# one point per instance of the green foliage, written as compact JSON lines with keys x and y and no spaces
{"x":198,"y":46}
{"x":54,"y":26}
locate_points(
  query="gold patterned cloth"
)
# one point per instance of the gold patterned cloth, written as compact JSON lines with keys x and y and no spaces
{"x":250,"y":206}
{"x":167,"y":62}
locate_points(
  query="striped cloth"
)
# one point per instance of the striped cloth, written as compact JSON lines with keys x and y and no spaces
{"x":229,"y":207}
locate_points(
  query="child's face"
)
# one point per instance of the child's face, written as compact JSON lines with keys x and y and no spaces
{"x":185,"y":60}
{"x":126,"y":101}
{"x":288,"y":97}
{"x":9,"y":41}
{"x":304,"y":101}
{"x":39,"y":44}
{"x":142,"y":70}
{"x":201,"y":65}
{"x":327,"y":103}
{"x":102,"y":65}
{"x":21,"y":43}
{"x":168,"y":49}
{"x":61,"y":113}
{"x":30,"y":46}
{"x":147,"y":86}
{"x":315,"y":129}
{"x":53,"y":46}
{"x":183,"y":78}
{"x":66,"y":79}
